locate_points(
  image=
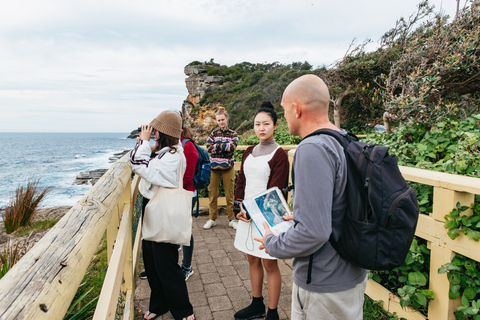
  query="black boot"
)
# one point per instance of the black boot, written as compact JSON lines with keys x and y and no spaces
{"x":272,"y":314}
{"x":255,"y":310}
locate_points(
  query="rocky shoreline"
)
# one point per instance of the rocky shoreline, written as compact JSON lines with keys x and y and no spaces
{"x":92,"y":176}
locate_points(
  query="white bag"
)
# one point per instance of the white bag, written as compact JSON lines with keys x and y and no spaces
{"x":168,"y":215}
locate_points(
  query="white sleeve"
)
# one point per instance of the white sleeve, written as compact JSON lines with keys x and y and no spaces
{"x":162,"y":171}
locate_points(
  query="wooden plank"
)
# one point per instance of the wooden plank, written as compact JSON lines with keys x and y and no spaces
{"x":441,"y":179}
{"x":128,"y":312}
{"x":440,"y":308}
{"x":445,"y":200}
{"x":42,"y":284}
{"x":434,"y":231}
{"x":107,"y":303}
{"x":391,"y":302}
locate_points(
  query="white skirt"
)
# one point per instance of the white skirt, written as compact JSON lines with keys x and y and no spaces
{"x":244,"y":242}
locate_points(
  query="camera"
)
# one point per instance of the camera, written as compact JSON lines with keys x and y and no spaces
{"x":236,"y":208}
{"x":140,"y":130}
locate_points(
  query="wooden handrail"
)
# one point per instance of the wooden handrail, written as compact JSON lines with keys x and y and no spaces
{"x":43,"y":283}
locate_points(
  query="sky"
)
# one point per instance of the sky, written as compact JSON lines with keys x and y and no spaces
{"x":110,"y":66}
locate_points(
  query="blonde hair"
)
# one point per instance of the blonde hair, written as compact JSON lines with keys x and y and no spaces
{"x":221,"y":110}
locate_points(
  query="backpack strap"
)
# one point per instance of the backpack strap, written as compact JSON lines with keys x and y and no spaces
{"x":344,"y":141}
{"x":185,"y":140}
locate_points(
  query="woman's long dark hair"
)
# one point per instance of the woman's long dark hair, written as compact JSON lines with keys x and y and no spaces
{"x":166,"y":141}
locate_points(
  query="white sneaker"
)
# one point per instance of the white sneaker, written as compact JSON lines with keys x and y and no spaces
{"x":233,"y":224}
{"x":209,"y":224}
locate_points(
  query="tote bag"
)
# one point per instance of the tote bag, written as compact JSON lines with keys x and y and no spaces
{"x":168,"y":215}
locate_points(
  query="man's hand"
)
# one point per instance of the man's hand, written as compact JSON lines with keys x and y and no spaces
{"x":262,"y":240}
{"x":289,"y":217}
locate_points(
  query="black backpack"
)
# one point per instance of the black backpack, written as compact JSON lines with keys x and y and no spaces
{"x":382,"y":210}
{"x":201,"y":178}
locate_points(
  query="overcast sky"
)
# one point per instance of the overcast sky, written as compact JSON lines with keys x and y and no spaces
{"x":109,"y":66}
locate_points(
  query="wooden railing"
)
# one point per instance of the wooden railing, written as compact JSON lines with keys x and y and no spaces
{"x":43,"y":283}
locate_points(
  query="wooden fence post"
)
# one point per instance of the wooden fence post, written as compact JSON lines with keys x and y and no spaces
{"x":442,"y":308}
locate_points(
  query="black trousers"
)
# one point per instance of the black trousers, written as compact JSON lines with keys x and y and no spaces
{"x":165,"y":277}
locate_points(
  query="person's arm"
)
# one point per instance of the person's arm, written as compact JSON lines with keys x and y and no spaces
{"x":240,"y":185}
{"x":279,"y":170}
{"x":158,"y":171}
{"x":191,"y":155}
{"x":315,"y":172}
{"x":211,"y":145}
{"x":228,"y":144}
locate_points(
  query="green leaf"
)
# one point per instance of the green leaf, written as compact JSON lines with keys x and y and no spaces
{"x":417,"y":278}
{"x":454,"y":278}
{"x":450,"y":224}
{"x":465,"y":301}
{"x":421,"y":299}
{"x":453,"y":233}
{"x":472,"y":234}
{"x":469,"y":293}
{"x":404,"y":301}
{"x":454,"y":292}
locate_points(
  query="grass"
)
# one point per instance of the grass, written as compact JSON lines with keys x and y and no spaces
{"x":23,"y":205}
{"x":372,"y":310}
{"x":37,"y":226}
{"x":8,"y":257}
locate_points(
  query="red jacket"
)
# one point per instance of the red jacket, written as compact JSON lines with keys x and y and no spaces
{"x":279,"y":170}
{"x":191,"y":155}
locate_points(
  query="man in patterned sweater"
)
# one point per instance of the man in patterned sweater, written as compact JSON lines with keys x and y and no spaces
{"x":221,"y":145}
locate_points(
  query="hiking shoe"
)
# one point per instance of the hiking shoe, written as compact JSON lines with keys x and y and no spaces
{"x":233,"y":224}
{"x":187,"y":272}
{"x":209,"y":224}
{"x":143,"y":275}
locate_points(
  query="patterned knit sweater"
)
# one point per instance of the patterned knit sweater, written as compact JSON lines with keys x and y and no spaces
{"x":221,"y":145}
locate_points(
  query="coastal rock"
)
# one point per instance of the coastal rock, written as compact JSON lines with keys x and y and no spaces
{"x":92,"y":176}
{"x":201,"y":119}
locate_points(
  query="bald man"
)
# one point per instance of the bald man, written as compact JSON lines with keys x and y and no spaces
{"x":324,"y":285}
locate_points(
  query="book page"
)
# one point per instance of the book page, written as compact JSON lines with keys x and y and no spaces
{"x":269,"y":206}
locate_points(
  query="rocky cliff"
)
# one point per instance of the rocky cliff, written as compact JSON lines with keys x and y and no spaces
{"x":201,"y":119}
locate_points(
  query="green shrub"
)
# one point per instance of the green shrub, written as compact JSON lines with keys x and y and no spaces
{"x":23,"y":205}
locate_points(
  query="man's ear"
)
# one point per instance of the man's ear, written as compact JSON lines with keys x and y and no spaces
{"x":298,"y":110}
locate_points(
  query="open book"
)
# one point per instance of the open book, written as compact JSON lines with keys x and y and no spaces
{"x":269,"y":206}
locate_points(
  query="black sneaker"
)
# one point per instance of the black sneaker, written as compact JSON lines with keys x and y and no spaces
{"x":143,"y":275}
{"x":253,"y":311}
{"x":187,"y":272}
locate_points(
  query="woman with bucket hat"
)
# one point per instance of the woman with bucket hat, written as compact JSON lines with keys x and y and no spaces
{"x":161,"y":166}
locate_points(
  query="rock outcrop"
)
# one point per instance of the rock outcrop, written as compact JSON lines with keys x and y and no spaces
{"x":201,"y":119}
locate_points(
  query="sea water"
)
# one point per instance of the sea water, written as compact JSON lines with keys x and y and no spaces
{"x":55,"y":159}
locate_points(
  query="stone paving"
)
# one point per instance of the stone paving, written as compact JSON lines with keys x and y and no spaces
{"x":220,"y":285}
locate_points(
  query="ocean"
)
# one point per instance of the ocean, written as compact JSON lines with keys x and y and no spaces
{"x":56,"y":159}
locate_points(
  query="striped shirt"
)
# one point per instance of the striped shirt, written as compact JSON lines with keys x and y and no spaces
{"x":221,"y":145}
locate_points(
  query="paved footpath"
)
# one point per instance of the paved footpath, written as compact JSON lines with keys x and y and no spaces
{"x":220,"y":285}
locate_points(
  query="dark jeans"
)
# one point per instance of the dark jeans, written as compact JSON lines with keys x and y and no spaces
{"x":188,"y":250}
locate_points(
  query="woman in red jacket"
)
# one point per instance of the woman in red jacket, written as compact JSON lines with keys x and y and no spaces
{"x":191,"y":156}
{"x":263,"y":166}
